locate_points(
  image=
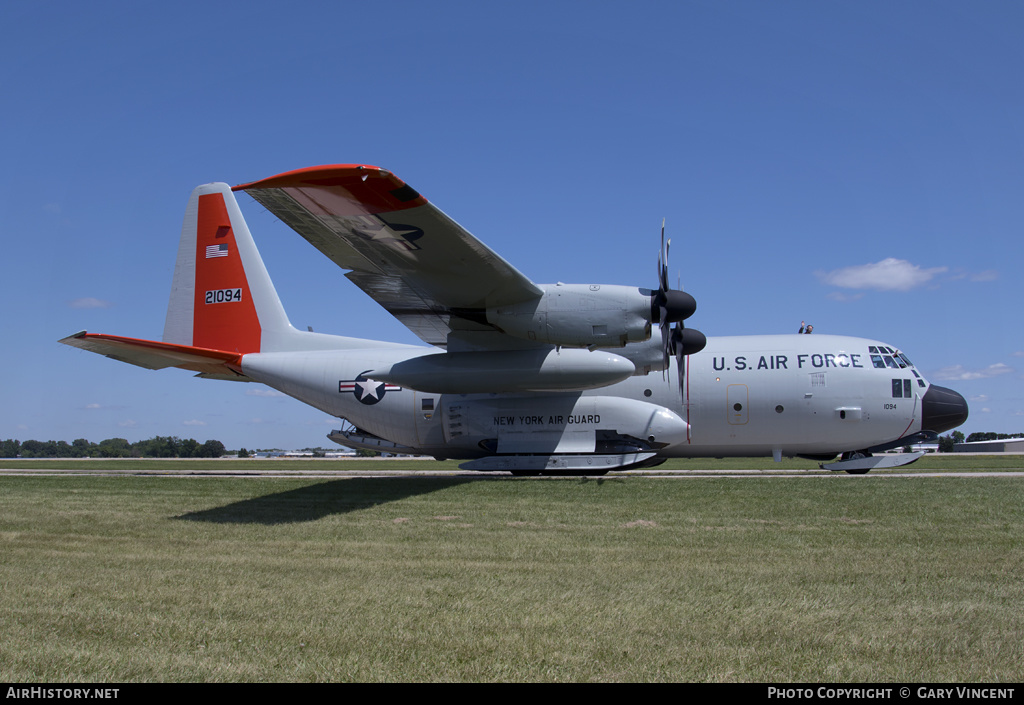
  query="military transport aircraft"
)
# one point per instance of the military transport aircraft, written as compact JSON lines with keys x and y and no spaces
{"x":520,"y":377}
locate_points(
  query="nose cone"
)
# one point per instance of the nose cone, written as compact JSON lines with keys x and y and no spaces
{"x":942,"y":409}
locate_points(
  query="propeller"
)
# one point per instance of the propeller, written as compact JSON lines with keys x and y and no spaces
{"x":672,"y":306}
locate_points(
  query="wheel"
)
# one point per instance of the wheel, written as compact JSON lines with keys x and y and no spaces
{"x":856,"y":455}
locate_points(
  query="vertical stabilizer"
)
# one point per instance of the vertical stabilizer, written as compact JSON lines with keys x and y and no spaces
{"x":222,"y":297}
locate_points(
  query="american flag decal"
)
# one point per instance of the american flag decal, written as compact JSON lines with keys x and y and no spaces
{"x":220,"y":250}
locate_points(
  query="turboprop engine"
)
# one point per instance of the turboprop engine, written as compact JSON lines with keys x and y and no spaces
{"x":591,"y":315}
{"x":579,"y":315}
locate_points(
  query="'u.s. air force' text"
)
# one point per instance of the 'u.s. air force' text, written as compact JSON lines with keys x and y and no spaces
{"x":783,"y":362}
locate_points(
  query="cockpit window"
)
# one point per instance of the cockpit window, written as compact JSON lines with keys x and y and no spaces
{"x":885,"y":357}
{"x":902,"y":389}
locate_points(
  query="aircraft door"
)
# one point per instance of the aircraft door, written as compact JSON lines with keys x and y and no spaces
{"x":427,"y":412}
{"x":737,"y":398}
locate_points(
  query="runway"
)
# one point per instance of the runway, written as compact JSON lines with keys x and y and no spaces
{"x":176,"y":470}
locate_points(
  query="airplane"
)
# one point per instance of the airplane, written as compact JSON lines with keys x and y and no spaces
{"x":526,"y":378}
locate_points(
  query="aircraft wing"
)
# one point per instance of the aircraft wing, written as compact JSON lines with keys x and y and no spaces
{"x":411,"y":258}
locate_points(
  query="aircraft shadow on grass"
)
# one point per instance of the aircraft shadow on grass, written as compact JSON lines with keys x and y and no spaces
{"x":321,"y":500}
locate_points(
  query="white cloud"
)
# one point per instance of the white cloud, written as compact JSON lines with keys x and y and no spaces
{"x":194,"y":422}
{"x":957,"y":372}
{"x":888,"y":275}
{"x":989,"y":275}
{"x":89,"y":302}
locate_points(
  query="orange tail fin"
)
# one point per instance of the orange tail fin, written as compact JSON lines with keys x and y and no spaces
{"x":222,"y":297}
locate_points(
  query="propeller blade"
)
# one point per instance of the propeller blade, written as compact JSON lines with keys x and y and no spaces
{"x":681,"y":374}
{"x":662,"y":262}
{"x":685,"y":342}
{"x":666,"y":342}
{"x":672,"y":306}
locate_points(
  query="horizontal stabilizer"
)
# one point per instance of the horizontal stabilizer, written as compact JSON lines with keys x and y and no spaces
{"x":155,"y":355}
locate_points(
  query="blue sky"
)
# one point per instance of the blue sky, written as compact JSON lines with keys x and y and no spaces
{"x":857,"y":165}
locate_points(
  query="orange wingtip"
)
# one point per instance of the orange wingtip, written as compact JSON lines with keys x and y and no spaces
{"x":316,"y":175}
{"x":356,"y":188}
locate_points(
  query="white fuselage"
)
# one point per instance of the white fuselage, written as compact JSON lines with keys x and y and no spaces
{"x":776,"y":395}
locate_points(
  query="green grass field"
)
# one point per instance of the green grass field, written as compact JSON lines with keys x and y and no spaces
{"x":423,"y":579}
{"x":929,"y":463}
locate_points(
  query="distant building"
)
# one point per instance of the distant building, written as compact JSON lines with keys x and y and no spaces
{"x":1003,"y":445}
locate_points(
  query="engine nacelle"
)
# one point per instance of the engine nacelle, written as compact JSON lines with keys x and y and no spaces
{"x":579,"y":315}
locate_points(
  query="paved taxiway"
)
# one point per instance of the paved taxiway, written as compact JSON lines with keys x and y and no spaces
{"x":171,"y":471}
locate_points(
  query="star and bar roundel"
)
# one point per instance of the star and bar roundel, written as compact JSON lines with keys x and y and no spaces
{"x":366,"y":390}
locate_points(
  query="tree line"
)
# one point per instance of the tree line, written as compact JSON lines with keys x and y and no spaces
{"x":946,"y":443}
{"x":174,"y":447}
{"x":156,"y":447}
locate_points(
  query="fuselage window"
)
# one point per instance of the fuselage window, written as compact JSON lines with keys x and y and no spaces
{"x":876,"y":360}
{"x":907,"y":391}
